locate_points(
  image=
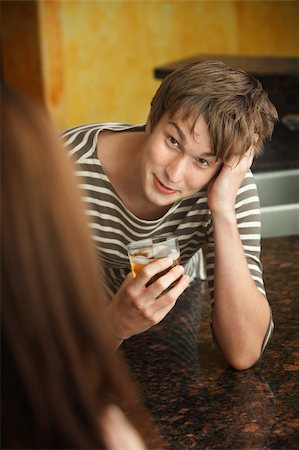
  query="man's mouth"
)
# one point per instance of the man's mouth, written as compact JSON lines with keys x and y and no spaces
{"x":162,"y":188}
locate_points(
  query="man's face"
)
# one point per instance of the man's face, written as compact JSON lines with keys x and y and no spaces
{"x":176,"y":162}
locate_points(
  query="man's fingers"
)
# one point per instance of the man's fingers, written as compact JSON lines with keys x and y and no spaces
{"x":250,"y":152}
{"x":164,"y":281}
{"x":166,"y":301}
{"x":236,"y":164}
{"x":161,"y":306}
{"x":151,"y":269}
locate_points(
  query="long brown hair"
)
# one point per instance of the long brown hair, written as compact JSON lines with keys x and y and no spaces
{"x":58,"y":370}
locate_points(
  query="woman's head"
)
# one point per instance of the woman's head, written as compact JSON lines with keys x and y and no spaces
{"x":58,"y":372}
{"x":234,"y":105}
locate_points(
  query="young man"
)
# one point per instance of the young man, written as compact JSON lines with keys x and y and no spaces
{"x":186,"y":172}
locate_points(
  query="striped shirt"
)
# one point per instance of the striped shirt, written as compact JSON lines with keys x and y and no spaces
{"x":114,"y":226}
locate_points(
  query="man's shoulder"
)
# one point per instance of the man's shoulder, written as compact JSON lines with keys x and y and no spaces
{"x":87,"y":128}
{"x":99,"y":126}
{"x":80,"y":140}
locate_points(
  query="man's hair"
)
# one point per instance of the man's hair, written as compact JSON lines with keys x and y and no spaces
{"x":234,"y":105}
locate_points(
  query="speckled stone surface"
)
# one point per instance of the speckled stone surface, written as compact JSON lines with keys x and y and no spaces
{"x":197,"y":402}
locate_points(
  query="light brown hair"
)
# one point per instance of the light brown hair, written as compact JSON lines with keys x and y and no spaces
{"x":234,"y":105}
{"x":58,"y":370}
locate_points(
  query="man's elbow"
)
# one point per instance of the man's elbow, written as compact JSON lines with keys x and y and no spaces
{"x":243,"y":360}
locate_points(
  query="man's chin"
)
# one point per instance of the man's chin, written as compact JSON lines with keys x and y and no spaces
{"x":166,"y":200}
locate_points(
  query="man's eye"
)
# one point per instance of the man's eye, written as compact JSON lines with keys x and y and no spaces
{"x":172,"y":141}
{"x":203,"y":162}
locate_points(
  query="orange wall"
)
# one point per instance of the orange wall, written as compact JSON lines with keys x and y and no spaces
{"x":98,"y":56}
{"x":21,"y":58}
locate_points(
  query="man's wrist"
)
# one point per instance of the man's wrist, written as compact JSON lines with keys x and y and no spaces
{"x":224,"y":215}
{"x":115,"y":335}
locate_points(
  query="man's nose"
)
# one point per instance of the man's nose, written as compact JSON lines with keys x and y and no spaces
{"x":175,"y":169}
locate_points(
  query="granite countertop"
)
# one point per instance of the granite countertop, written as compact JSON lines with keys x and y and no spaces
{"x":196,"y":400}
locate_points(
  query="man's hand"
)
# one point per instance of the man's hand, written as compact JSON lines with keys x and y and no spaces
{"x":223,"y":189}
{"x":136,"y":307}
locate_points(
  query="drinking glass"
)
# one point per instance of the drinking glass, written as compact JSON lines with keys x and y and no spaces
{"x":146,"y":251}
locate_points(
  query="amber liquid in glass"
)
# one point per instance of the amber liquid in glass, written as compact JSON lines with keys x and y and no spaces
{"x":139,"y":261}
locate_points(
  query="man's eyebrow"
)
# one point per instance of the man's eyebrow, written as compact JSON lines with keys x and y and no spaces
{"x":180,"y":132}
{"x":208,"y":154}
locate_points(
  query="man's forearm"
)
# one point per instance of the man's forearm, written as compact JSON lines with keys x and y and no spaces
{"x":241,"y":313}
